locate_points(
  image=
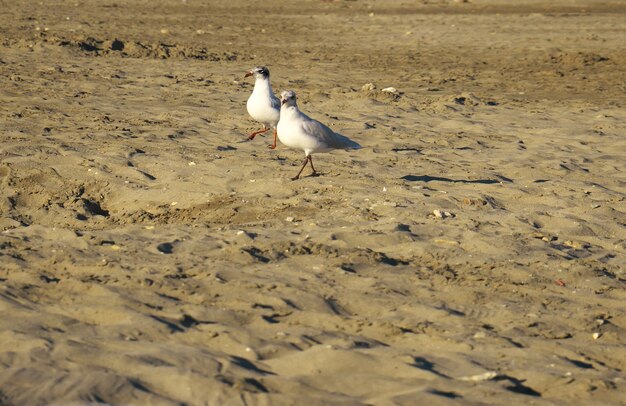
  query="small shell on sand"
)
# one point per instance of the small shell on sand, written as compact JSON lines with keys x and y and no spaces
{"x":440,"y":214}
{"x":243,"y":233}
{"x":448,"y":242}
{"x":390,"y":89}
{"x":487,"y":376}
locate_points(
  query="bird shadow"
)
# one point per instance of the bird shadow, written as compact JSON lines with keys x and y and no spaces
{"x":426,"y":365}
{"x":426,"y":178}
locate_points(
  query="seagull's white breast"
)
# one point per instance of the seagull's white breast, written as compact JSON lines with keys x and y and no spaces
{"x":262,"y":105}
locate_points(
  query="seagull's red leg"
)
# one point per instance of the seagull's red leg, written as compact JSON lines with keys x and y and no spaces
{"x":306,"y":161}
{"x":273,"y":146}
{"x":254,"y":134}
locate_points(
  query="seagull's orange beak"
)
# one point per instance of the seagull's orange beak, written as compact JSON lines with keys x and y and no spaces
{"x":248,"y":74}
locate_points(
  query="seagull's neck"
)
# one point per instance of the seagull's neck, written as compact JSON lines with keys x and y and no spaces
{"x":289,"y":110}
{"x":262,"y":85}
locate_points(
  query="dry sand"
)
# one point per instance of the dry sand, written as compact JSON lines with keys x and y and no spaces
{"x":149,"y":256}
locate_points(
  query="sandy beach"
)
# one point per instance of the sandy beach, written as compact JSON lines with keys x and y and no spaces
{"x":472,"y":253}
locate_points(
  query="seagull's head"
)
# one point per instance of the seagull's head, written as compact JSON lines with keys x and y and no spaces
{"x":288,"y":97}
{"x":259,"y":72}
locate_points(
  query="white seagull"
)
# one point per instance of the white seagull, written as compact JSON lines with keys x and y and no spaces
{"x":297,"y":130}
{"x":263,"y":106}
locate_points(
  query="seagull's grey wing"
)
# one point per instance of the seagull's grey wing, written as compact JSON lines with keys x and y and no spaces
{"x":327,"y":136}
{"x":275,"y":102}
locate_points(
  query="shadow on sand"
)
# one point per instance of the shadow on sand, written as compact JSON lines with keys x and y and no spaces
{"x":426,"y":178}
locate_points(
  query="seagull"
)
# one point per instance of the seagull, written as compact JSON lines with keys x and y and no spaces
{"x":299,"y":131}
{"x":263,"y":105}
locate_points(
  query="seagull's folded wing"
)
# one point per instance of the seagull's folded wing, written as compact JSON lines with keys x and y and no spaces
{"x":327,"y":136}
{"x":275,"y":102}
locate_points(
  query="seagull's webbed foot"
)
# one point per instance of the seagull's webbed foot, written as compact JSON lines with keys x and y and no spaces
{"x":254,"y":134}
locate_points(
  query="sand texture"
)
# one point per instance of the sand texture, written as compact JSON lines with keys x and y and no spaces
{"x":472,"y":253}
